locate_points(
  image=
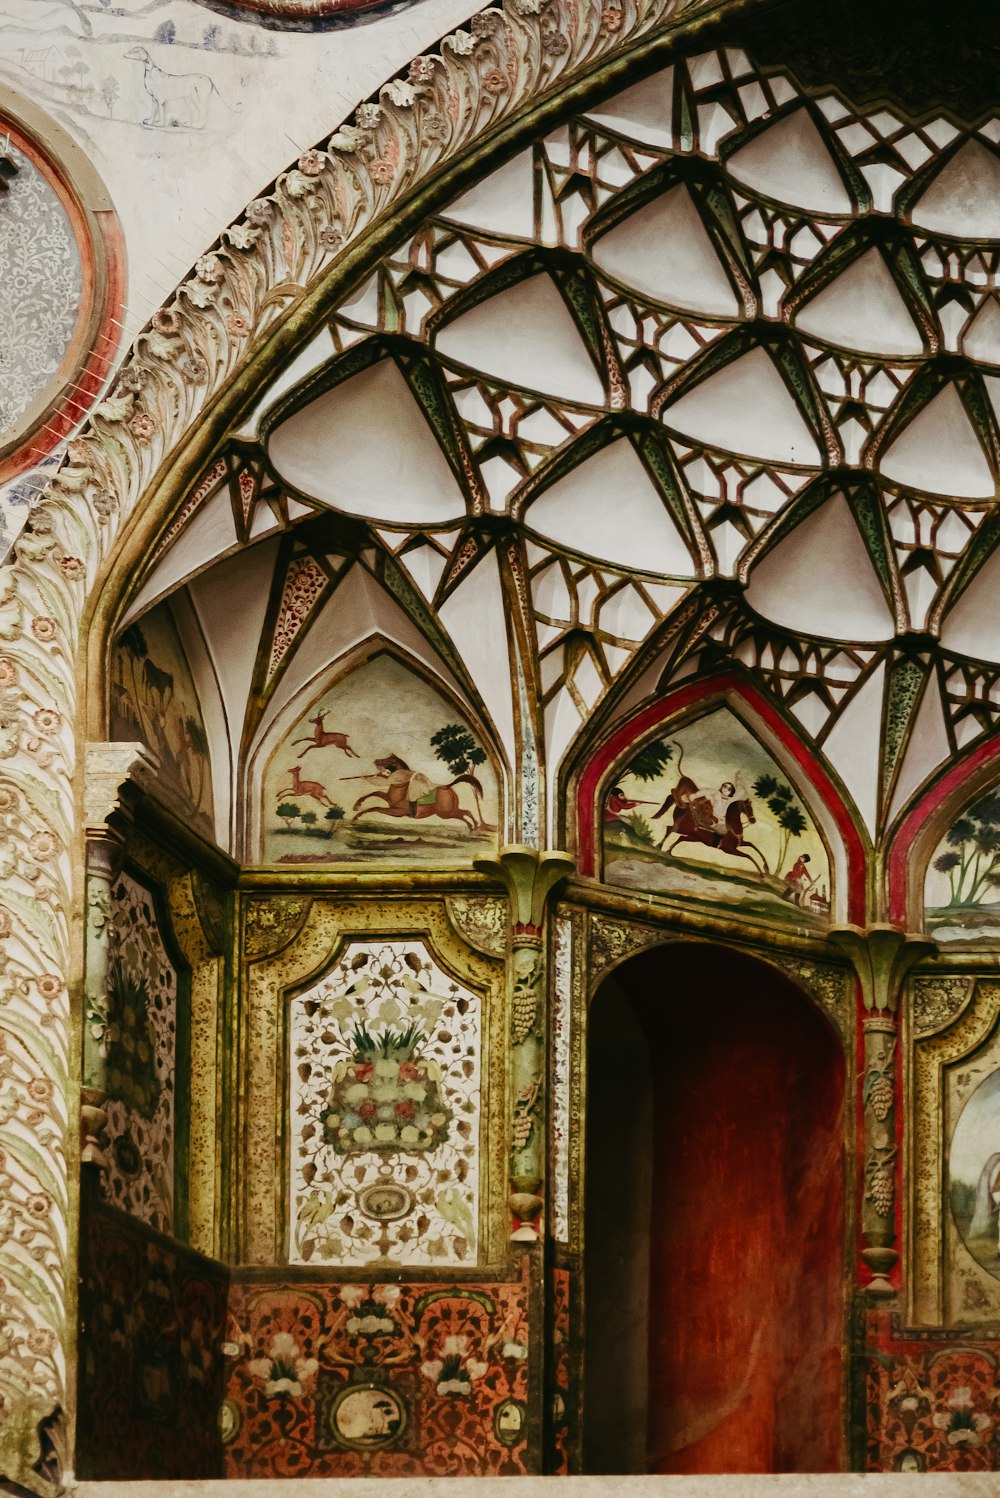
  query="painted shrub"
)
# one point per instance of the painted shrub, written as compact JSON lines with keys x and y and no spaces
{"x":385,"y":1112}
{"x":379,"y":769}
{"x":704,"y":812}
{"x":153,"y":698}
{"x":962,"y":889}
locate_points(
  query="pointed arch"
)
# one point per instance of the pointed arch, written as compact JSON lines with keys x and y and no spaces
{"x":692,"y":699}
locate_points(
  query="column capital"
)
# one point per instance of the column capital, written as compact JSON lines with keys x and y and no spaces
{"x":529,"y":876}
{"x":882,"y":955}
{"x":108,"y":769}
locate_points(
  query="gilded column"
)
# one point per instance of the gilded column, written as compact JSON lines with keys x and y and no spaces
{"x":882,"y":957}
{"x":529,"y":877}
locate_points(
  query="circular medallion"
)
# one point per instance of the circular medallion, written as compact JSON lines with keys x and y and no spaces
{"x":366,"y":1417}
{"x":305,"y":15}
{"x":385,"y":1201}
{"x":61,"y":285}
{"x":229,"y":1421}
{"x":508,"y":1422}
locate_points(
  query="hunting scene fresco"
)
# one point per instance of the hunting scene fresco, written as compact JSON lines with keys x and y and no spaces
{"x":705,"y":813}
{"x":153,"y":699}
{"x":380,"y":769}
{"x":962,"y":892}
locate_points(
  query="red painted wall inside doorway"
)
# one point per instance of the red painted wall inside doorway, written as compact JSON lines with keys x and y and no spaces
{"x":747,"y":1221}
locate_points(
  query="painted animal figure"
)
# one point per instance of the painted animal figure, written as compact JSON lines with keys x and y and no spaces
{"x":159,"y":684}
{"x":410,"y":794}
{"x":179,"y":99}
{"x":310,"y":788}
{"x":695,"y":822}
{"x":321,"y":737}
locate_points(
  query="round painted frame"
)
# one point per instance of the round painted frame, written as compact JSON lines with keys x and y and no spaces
{"x":93,"y":346}
{"x":305,"y":15}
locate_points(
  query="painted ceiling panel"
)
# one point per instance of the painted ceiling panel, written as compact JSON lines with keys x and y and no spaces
{"x":333,"y":451}
{"x":963,"y":199}
{"x":790,"y":162}
{"x":863,"y":310}
{"x":609,"y":508}
{"x":939,"y":451}
{"x":745,"y":407}
{"x":526,"y":337}
{"x":663,"y":251}
{"x":801,"y":583}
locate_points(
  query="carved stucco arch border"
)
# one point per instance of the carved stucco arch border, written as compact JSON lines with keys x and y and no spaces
{"x":249,"y":303}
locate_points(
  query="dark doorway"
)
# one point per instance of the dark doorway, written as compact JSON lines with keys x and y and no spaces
{"x":715,"y":1220}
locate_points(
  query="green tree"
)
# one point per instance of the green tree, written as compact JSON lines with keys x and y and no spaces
{"x":973,"y":864}
{"x":308,"y":818}
{"x":458,"y":748}
{"x":651,"y":760}
{"x":783,"y":807}
{"x":334,"y":813}
{"x":288,"y":811}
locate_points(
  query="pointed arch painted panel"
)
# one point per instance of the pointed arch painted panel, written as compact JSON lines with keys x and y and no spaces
{"x":776,"y":768}
{"x":380,"y":768}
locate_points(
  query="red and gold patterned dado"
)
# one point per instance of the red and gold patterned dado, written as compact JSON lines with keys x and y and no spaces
{"x":377,"y":1379}
{"x":931,"y":1407}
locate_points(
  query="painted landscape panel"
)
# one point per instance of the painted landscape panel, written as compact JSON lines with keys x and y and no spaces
{"x":974,"y":1170}
{"x":705,"y":813}
{"x":380,"y":769}
{"x":153,"y":699}
{"x":962,"y":889}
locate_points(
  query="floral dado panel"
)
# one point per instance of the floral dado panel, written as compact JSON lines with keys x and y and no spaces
{"x":134,"y":1028}
{"x":385,"y":1115}
{"x":376,"y":1055}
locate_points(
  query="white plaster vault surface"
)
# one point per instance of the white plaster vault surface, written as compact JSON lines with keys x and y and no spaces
{"x":175,"y":188}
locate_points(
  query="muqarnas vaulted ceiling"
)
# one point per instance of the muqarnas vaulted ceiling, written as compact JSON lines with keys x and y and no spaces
{"x":713,"y":336}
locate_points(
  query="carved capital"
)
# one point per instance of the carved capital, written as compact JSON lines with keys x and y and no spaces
{"x":528,"y":877}
{"x":108,"y":769}
{"x":882,"y":956}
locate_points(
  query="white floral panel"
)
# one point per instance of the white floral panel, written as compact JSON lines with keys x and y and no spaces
{"x":140,"y":1048}
{"x":385,"y":1112}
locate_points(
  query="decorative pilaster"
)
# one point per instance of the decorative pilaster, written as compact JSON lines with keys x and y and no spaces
{"x":109,"y":769}
{"x":529,"y":878}
{"x":882,"y":957}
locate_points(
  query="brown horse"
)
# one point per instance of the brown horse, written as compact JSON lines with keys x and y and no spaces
{"x":437,"y":801}
{"x":689,"y":827}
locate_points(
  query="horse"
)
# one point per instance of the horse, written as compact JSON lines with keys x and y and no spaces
{"x":688,"y":829}
{"x":439,"y":801}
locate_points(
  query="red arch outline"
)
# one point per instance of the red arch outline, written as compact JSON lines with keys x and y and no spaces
{"x":696,"y":693}
{"x":903,"y":894}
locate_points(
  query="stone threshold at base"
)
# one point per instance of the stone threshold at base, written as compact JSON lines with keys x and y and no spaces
{"x":822,"y":1485}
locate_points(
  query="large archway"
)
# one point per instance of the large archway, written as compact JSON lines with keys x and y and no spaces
{"x":715,"y":1220}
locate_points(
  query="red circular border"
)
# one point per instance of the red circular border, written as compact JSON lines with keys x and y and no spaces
{"x":83,"y":370}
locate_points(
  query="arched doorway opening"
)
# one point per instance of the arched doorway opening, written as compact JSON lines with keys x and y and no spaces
{"x":715,"y":1205}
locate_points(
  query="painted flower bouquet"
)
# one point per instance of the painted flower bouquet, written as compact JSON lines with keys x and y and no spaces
{"x":386,"y":1097}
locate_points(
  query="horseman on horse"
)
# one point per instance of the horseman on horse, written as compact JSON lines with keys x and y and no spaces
{"x":713,"y":818}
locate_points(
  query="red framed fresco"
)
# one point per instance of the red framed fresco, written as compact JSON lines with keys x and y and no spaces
{"x":720,"y":690}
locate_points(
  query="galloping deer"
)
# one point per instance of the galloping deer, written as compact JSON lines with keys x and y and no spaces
{"x":321,"y":736}
{"x":310,"y":788}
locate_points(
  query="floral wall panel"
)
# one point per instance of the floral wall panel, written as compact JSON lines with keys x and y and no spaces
{"x":930,"y":1407}
{"x":703,"y":812}
{"x":151,"y":1373}
{"x":385,"y":1112}
{"x":379,"y":769}
{"x":388,"y":1380}
{"x":133,"y":1028}
{"x":153,"y":698}
{"x":962,"y":888}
